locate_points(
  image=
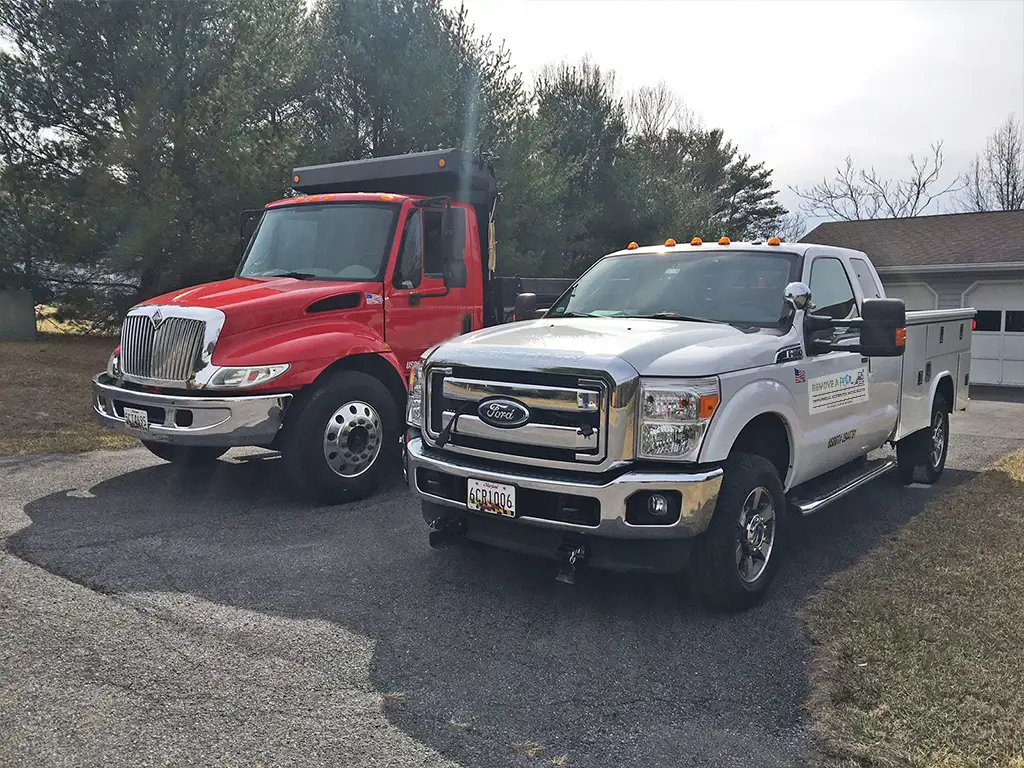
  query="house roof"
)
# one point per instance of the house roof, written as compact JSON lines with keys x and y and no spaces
{"x":948,"y":240}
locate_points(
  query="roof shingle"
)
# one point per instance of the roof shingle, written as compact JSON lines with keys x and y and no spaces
{"x":958,"y":238}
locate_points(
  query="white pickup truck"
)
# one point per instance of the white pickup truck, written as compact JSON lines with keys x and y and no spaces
{"x":674,"y":408}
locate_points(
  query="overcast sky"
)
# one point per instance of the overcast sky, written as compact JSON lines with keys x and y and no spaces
{"x":801,"y":84}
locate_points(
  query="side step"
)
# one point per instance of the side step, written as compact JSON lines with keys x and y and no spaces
{"x":812,"y":496}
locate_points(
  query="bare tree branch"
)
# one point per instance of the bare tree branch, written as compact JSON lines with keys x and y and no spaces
{"x":792,"y":227}
{"x":995,"y":180}
{"x":854,"y":194}
{"x":653,"y":110}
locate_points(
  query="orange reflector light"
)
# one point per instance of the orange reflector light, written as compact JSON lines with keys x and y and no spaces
{"x":723,"y":241}
{"x":774,"y":241}
{"x":441,"y":162}
{"x":670,"y":243}
{"x":295,"y":179}
{"x":387,"y":197}
{"x":974,"y":325}
{"x":708,"y":405}
{"x":632,"y":247}
{"x":901,"y":337}
{"x":696,"y":241}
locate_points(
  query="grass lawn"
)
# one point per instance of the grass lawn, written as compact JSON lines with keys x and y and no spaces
{"x":919,"y":649}
{"x":45,"y":395}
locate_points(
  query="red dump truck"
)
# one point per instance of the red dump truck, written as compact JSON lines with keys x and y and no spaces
{"x":306,"y":349}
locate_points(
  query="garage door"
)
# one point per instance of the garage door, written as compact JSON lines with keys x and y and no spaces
{"x":915,"y":295}
{"x":997,"y":347}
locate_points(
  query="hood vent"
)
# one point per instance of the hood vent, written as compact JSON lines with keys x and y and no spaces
{"x":333,"y":303}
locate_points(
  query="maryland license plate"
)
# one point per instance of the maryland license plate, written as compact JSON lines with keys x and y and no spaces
{"x":493,"y":498}
{"x":136,"y":419}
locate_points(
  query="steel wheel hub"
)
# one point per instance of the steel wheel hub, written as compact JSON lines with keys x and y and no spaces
{"x":755,"y":534}
{"x":352,"y":439}
{"x":938,"y":440}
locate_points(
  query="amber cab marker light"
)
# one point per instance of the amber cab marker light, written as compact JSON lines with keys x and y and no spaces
{"x":670,"y":243}
{"x":696,"y":241}
{"x":632,"y":246}
{"x":441,"y":163}
{"x":774,"y":241}
{"x":723,"y":241}
{"x":901,"y":337}
{"x":295,"y":179}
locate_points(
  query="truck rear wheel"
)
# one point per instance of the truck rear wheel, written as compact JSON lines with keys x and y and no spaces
{"x":342,"y":438}
{"x":922,"y":455}
{"x":186,"y":455}
{"x":735,"y":559}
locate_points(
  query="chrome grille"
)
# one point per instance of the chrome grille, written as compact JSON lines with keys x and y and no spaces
{"x":567,"y":415}
{"x":168,"y":351}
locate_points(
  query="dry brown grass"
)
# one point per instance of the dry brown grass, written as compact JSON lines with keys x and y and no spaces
{"x":46,"y":399}
{"x":918,"y":657}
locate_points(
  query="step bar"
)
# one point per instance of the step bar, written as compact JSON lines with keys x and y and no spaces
{"x":812,"y":505}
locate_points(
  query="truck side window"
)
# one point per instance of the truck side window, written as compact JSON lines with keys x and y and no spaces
{"x":831,"y":291}
{"x":867,"y":282}
{"x":433,"y":252}
{"x":409,"y":270}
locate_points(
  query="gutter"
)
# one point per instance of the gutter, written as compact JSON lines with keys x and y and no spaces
{"x":991,"y":267}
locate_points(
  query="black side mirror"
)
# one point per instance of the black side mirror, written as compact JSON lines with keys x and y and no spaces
{"x":883,"y":331}
{"x":526,"y":307}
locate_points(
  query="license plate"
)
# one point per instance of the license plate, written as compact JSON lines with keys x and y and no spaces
{"x":136,"y":419}
{"x":493,"y":498}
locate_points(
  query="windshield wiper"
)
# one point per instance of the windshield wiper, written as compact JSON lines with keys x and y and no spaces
{"x":677,"y":316}
{"x":575,"y":314}
{"x":296,"y":275}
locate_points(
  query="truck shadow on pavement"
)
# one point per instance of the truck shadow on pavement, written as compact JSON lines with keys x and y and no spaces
{"x":487,"y":650}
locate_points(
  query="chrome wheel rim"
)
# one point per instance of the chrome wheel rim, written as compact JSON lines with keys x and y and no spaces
{"x":352,"y":439}
{"x":938,"y":440}
{"x":755,"y":537}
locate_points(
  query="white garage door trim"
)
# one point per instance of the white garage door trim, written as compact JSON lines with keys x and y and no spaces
{"x":896,"y":286}
{"x":997,"y":357}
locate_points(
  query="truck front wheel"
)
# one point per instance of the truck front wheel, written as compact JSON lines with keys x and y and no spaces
{"x":735,"y":559}
{"x":342,"y":438}
{"x":186,"y":455}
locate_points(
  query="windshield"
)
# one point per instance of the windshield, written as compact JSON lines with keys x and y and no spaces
{"x":340,"y":241}
{"x":737,"y":287}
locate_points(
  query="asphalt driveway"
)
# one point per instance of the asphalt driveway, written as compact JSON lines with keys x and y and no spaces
{"x":151,"y":617}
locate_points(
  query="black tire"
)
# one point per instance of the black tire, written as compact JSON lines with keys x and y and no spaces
{"x":185,"y":455}
{"x":921,"y":457}
{"x":303,"y":451}
{"x":713,"y":572}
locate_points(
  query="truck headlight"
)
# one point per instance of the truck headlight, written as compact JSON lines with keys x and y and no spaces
{"x":243,"y":377}
{"x":674,"y":414}
{"x":114,"y":364}
{"x":414,"y":405}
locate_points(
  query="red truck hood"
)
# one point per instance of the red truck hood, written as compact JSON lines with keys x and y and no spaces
{"x":249,"y":303}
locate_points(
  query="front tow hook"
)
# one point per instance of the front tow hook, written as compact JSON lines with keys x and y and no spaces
{"x":568,"y":556}
{"x":446,"y":531}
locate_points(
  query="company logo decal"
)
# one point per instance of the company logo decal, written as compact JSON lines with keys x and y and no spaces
{"x":838,"y":390}
{"x":157,"y":318}
{"x":503,"y":413}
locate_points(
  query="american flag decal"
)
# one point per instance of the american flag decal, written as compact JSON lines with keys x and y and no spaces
{"x":798,"y":376}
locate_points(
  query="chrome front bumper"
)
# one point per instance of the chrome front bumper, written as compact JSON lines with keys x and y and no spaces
{"x":220,"y":421}
{"x":699,"y":490}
